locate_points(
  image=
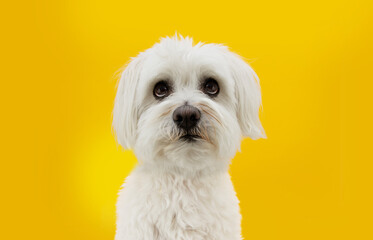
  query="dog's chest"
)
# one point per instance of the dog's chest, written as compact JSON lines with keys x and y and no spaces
{"x":172,"y":207}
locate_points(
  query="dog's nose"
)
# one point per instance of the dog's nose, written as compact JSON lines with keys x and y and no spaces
{"x":186,"y":116}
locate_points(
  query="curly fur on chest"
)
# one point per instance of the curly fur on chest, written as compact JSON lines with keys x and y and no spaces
{"x":173,"y":207}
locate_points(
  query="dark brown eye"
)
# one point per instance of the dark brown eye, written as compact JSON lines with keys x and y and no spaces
{"x":161,"y":90}
{"x":211,"y":87}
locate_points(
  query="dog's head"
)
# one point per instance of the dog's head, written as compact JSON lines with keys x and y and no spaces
{"x":186,"y":105}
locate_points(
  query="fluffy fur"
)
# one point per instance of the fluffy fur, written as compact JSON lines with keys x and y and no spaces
{"x":181,"y":190}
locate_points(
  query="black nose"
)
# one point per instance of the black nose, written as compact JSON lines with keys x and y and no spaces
{"x":186,"y":116}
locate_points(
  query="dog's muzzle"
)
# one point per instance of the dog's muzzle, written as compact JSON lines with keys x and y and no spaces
{"x":186,"y":118}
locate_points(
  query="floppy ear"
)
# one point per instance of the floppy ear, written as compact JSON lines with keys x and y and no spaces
{"x":248,"y":98}
{"x":125,"y":113}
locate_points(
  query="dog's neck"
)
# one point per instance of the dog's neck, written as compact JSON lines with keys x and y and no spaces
{"x":186,"y":171}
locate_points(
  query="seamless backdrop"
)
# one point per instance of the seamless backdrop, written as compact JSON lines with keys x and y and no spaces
{"x":61,"y":168}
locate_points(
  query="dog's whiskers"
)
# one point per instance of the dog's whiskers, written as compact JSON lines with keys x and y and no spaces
{"x":209,"y":111}
{"x":168,"y":111}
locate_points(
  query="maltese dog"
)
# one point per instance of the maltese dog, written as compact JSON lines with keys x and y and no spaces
{"x":184,"y":109}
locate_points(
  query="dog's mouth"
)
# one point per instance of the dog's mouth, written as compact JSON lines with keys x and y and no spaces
{"x":190,"y":137}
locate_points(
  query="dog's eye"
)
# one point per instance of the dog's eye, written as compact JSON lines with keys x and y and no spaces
{"x":211,"y":87}
{"x":161,"y":90}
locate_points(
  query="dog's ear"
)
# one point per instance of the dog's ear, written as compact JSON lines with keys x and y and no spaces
{"x":125,"y":113}
{"x":248,"y":98}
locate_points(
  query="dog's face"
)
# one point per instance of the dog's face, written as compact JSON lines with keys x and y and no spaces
{"x":187,"y":106}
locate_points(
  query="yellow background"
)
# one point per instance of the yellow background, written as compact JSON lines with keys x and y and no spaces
{"x":61,"y":168}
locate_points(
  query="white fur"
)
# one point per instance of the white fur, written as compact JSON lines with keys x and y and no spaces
{"x":182,"y":190}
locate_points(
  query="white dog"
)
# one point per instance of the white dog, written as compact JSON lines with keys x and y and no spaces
{"x":184,"y":110}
